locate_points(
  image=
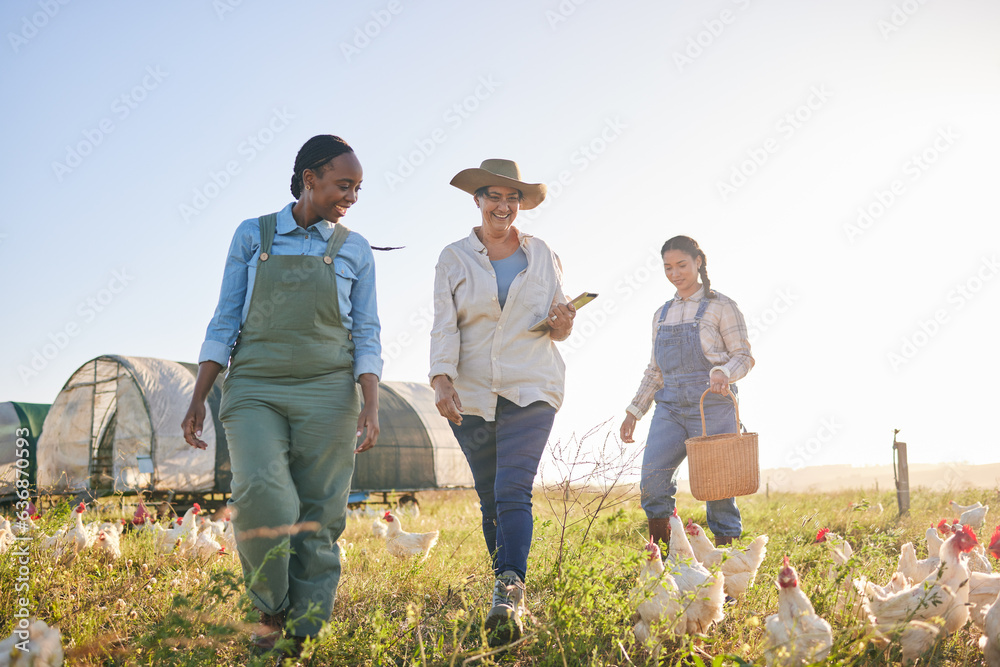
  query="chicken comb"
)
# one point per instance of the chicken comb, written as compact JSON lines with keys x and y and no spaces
{"x":967,"y":539}
{"x":821,"y":535}
{"x":675,"y":512}
{"x":82,"y":507}
{"x":943,"y":526}
{"x":196,"y":507}
{"x":995,"y":543}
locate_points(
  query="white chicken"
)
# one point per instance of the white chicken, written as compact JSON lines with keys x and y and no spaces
{"x":841,"y":553}
{"x":79,"y":537}
{"x":914,"y":569}
{"x":990,"y":641}
{"x":978,"y":562}
{"x":795,"y":635}
{"x":181,"y":537}
{"x":656,"y":599}
{"x":379,"y":529}
{"x":37,"y":646}
{"x":934,"y":540}
{"x":228,"y":539}
{"x":205,"y":546}
{"x":897,"y":583}
{"x":944,"y":594}
{"x":402,"y":544}
{"x":739,"y":566}
{"x":701,"y":591}
{"x":983,"y":590}
{"x":108,"y":542}
{"x":916,"y":638}
{"x":7,"y":537}
{"x":955,"y":507}
{"x":974,"y":517}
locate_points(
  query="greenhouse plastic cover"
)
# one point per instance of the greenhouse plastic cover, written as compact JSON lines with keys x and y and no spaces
{"x":148,"y":399}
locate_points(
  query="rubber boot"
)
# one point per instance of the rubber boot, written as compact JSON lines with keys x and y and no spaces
{"x":659,"y":530}
{"x":721,"y":541}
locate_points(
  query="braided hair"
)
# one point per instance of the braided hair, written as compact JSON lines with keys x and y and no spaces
{"x":315,"y":154}
{"x":689,"y":246}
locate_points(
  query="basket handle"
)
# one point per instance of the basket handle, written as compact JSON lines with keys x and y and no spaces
{"x":701,"y":407}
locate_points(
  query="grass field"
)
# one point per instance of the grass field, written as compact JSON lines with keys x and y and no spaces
{"x":155,"y":610}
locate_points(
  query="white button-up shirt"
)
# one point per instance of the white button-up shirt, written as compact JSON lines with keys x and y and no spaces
{"x":488,"y":352}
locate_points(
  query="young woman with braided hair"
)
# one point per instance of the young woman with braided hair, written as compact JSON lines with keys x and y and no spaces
{"x":699,"y":342}
{"x":297,"y":325}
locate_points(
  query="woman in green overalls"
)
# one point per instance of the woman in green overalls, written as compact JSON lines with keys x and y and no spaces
{"x":298,"y":326}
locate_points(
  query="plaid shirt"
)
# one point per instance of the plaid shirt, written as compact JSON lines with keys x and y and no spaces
{"x":724,"y":341}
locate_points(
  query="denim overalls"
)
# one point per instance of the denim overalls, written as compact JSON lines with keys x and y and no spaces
{"x":677,"y":417}
{"x":290,"y":406}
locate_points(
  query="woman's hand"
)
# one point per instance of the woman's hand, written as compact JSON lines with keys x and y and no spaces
{"x":446,"y":399}
{"x":561,"y":321}
{"x":368,"y":419}
{"x":628,"y":427}
{"x":719,"y":383}
{"x":368,"y":424}
{"x":193,"y":422}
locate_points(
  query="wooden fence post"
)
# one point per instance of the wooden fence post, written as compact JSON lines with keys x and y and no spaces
{"x":902,"y":470}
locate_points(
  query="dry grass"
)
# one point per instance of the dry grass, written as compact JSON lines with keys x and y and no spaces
{"x":154,"y":610}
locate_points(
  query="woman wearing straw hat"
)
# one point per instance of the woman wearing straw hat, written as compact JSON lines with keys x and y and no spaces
{"x":498,"y":383}
{"x":297,"y":324}
{"x":699,"y":342}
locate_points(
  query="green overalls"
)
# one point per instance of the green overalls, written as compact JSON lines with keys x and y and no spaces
{"x":290,"y":406}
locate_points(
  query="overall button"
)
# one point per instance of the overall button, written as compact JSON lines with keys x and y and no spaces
{"x":327,"y":260}
{"x":264,"y":256}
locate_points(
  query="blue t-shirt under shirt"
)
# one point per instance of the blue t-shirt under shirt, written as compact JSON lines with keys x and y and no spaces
{"x":506,"y":269}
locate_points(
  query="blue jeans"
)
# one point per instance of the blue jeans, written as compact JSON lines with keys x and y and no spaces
{"x":672,"y":425}
{"x":503,"y":456}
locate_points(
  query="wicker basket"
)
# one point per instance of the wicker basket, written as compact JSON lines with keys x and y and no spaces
{"x":725,"y":465}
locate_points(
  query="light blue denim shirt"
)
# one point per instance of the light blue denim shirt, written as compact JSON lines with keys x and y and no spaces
{"x":355,"y":266}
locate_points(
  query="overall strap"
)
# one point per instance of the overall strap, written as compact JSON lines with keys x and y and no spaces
{"x":663,"y":313}
{"x":268,"y":225}
{"x":701,"y":309}
{"x":337,"y":239}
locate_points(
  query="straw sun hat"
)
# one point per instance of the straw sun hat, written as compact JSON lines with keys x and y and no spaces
{"x":504,"y":173}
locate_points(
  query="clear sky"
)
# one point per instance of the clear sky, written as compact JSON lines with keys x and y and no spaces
{"x":836,"y":161}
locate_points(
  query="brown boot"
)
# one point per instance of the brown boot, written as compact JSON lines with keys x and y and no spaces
{"x":721,"y":541}
{"x":267,"y":634}
{"x":659,"y":530}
